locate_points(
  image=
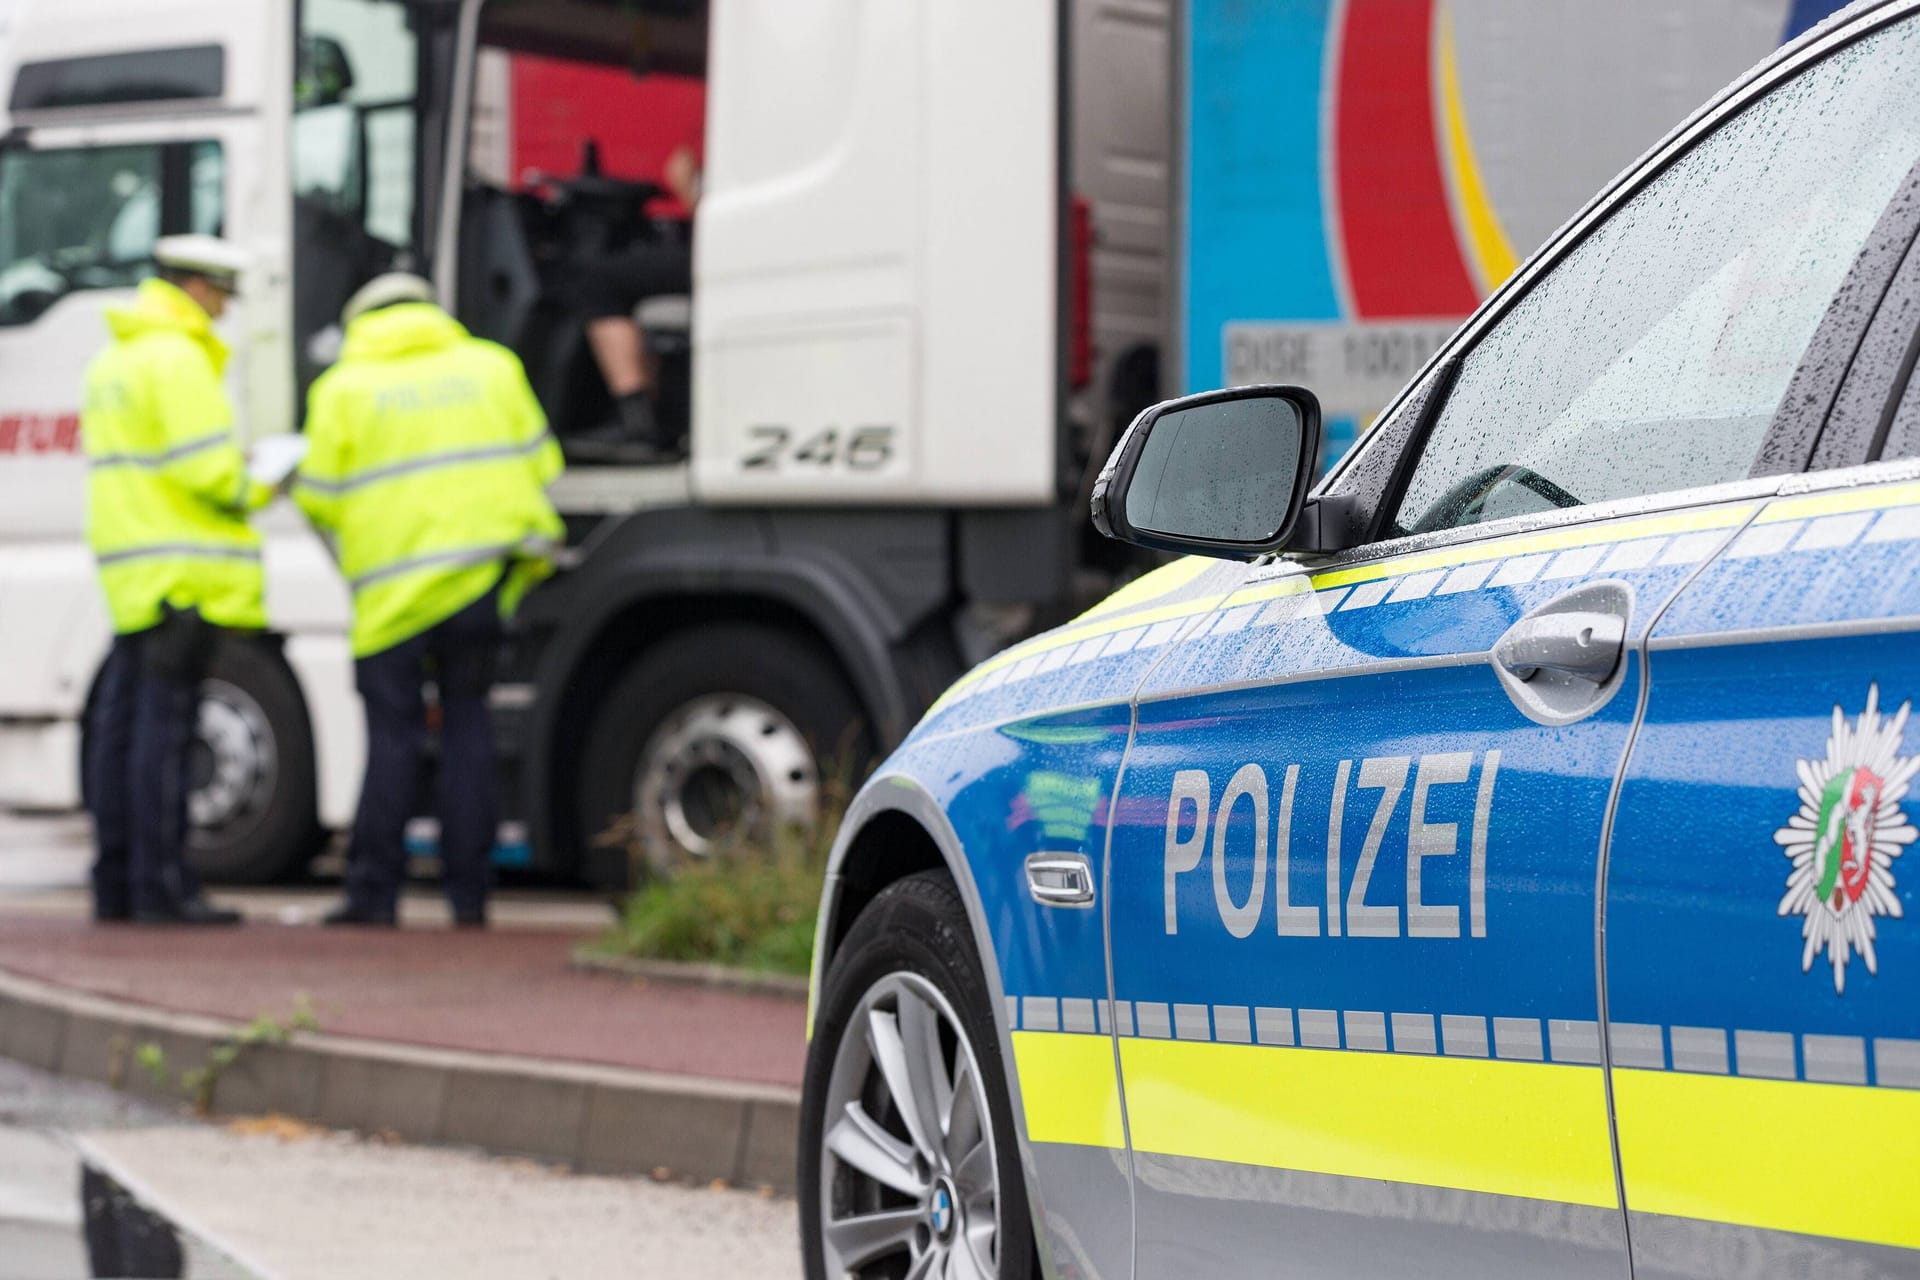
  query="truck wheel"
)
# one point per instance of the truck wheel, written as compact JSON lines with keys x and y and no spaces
{"x":909,"y":1164}
{"x":714,"y":737}
{"x":251,"y":798}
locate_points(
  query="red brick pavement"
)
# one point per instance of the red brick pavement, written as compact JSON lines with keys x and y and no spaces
{"x":507,"y":991}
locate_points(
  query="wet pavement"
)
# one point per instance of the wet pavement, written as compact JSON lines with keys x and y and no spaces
{"x":40,"y":1205}
{"x":298,"y":1203}
{"x":275,"y":1198}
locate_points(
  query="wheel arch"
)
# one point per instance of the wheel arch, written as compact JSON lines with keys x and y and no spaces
{"x":603,"y":620}
{"x":895,"y":828}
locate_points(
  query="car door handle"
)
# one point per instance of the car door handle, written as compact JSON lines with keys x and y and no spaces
{"x":1060,"y":879}
{"x":1583,"y":643}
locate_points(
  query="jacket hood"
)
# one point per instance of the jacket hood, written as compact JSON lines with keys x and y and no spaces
{"x":401,"y":330}
{"x":159,"y":307}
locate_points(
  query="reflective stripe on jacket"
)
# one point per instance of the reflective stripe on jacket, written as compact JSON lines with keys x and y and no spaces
{"x":167,"y":487}
{"x":428,"y":465}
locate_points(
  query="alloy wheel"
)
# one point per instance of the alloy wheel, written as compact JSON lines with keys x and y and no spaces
{"x":908,"y":1165}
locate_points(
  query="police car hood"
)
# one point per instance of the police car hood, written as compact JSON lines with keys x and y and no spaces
{"x":402,"y":330}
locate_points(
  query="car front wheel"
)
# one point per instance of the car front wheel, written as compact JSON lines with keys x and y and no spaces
{"x":909,"y":1165}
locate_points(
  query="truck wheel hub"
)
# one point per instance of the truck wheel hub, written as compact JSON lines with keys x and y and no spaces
{"x":232,"y":762}
{"x":720,"y":770}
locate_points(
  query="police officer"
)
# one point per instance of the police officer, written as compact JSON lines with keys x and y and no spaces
{"x":428,"y":467}
{"x":167,"y":501}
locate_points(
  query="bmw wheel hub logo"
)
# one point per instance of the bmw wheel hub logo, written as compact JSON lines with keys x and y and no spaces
{"x":940,"y":1210}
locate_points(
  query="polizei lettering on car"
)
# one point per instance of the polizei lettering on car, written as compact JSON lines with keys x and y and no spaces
{"x":1193,"y":839}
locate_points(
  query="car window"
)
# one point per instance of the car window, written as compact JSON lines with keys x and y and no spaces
{"x":1653,"y":356}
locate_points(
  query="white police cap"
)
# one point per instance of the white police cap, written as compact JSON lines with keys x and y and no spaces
{"x":388,"y":290}
{"x":220,"y":261}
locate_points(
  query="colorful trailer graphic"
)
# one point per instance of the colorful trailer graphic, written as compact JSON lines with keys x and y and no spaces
{"x":1359,"y":174}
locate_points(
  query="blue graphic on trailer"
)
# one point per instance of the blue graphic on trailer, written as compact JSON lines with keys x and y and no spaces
{"x":1807,"y":14}
{"x":1255,"y":246}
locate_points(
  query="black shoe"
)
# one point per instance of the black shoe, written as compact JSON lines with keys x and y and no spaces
{"x":470,"y":919}
{"x":111,"y":915}
{"x":635,"y":436}
{"x":195,"y":911}
{"x":613,"y":443}
{"x":353,"y":915}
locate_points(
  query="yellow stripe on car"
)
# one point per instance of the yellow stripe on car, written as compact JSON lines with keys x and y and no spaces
{"x":1068,"y":1088}
{"x":1476,"y":1124}
{"x":1841,"y":501}
{"x":1725,"y":517}
{"x":1820,"y":1159}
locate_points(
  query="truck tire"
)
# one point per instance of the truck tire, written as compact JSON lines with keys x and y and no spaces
{"x":251,"y":800}
{"x":885,"y":1177}
{"x":712,"y":737}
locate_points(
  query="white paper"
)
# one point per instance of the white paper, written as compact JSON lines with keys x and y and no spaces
{"x":275,"y":458}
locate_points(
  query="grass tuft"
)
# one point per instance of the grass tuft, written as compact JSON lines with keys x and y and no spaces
{"x":753,"y":907}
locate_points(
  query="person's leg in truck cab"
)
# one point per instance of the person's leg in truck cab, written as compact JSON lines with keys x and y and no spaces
{"x":611,"y":294}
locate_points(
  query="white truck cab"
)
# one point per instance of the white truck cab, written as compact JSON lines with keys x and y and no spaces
{"x":927,"y":288}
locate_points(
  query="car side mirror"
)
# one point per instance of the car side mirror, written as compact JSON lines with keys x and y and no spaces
{"x":1223,"y":473}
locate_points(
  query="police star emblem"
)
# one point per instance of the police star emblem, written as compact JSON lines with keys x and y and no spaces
{"x":1844,"y":839}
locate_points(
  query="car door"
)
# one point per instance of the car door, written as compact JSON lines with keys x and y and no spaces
{"x":1354,"y":900}
{"x":1762,"y":960}
{"x":1763,"y":957}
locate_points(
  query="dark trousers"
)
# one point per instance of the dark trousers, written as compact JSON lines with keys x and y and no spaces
{"x":139,"y":733}
{"x":615,"y":285}
{"x":458,"y":656}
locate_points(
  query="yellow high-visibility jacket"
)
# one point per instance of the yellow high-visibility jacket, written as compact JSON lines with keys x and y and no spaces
{"x":427,"y":466}
{"x":167,"y":487}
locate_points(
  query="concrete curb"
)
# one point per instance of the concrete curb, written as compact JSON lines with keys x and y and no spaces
{"x":597,"y":1119}
{"x":785,"y":985}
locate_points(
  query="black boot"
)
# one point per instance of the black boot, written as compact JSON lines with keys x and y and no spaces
{"x":194,"y":910}
{"x":636,"y":437}
{"x":112,"y":902}
{"x":354,"y":914}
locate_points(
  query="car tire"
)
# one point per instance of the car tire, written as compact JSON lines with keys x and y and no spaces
{"x":253,"y":800}
{"x":704,"y":717}
{"x":867,"y":1177}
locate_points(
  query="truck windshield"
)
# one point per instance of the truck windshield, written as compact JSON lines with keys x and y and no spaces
{"x":87,"y":217}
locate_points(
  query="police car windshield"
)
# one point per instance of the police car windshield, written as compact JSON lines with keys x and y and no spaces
{"x":87,"y":217}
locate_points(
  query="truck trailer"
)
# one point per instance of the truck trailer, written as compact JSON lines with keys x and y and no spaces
{"x":1354,"y":176}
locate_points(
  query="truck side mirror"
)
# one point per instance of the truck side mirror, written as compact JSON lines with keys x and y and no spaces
{"x":323,"y":75}
{"x":1224,"y":473}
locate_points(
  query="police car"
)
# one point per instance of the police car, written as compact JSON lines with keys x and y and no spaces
{"x":1495,"y":860}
